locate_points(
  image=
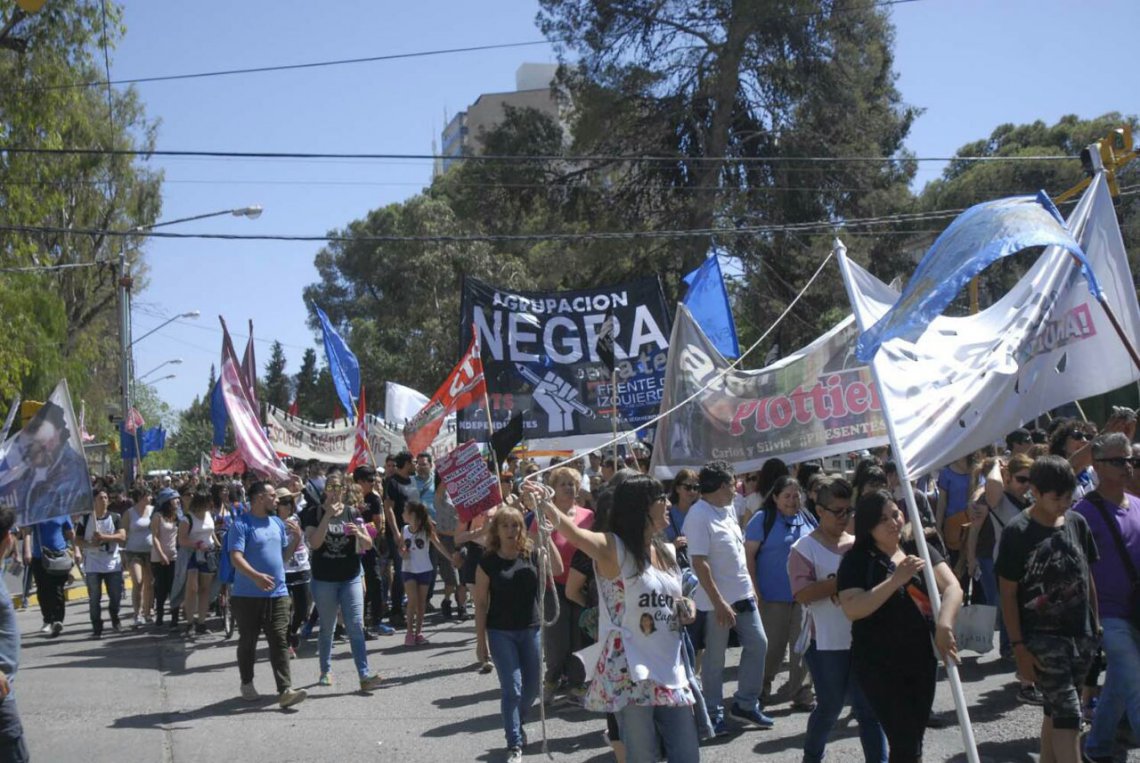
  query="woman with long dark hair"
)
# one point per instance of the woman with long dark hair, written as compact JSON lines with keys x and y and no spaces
{"x":164,"y":552}
{"x":883,"y":592}
{"x":640,"y":674}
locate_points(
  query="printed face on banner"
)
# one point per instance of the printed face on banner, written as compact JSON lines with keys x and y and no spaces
{"x":817,"y":402}
{"x":540,"y":355}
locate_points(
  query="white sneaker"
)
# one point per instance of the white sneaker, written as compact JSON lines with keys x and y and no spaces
{"x":291,"y":697}
{"x":46,"y":629}
{"x":514,"y":755}
{"x":138,"y":622}
{"x":248,"y":693}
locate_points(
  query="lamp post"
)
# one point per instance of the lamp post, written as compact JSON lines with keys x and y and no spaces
{"x":126,"y":281}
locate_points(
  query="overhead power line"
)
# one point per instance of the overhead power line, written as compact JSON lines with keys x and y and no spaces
{"x":291,"y":67}
{"x":521,"y":158}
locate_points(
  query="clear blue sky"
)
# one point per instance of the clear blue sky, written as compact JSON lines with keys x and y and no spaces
{"x":971,"y":64}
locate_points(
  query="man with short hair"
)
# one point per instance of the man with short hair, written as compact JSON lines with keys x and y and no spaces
{"x":1111,"y":514}
{"x":377,"y":558}
{"x":399,"y":488}
{"x":259,"y":544}
{"x":726,"y":598}
{"x":609,"y":467}
{"x":1048,"y":601}
{"x":1018,"y":442}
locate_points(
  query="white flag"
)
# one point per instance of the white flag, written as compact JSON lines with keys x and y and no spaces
{"x":966,"y":382}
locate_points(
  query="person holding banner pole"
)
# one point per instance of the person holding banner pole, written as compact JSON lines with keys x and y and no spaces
{"x":969,"y":744}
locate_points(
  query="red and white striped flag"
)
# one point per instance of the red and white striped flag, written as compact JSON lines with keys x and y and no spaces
{"x":361,"y":454}
{"x":134,"y":421}
{"x":252,"y":443}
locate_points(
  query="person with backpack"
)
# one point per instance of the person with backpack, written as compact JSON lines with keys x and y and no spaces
{"x":260,"y":544}
{"x":768,"y":539}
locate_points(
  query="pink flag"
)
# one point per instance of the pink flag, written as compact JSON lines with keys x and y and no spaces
{"x":134,"y":421}
{"x":361,"y":453}
{"x":250,"y":438}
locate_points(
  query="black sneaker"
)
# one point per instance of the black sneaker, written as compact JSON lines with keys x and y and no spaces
{"x":201,"y":629}
{"x":1028,"y":695}
{"x":429,"y":607}
{"x":461,"y":613}
{"x":445,"y":608}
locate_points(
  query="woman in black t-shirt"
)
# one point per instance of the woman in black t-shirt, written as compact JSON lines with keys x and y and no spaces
{"x":883,"y":592}
{"x":507,"y":618}
{"x":336,"y":536}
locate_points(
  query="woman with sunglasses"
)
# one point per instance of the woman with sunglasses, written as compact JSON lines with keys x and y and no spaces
{"x":812,"y":565}
{"x":334,"y":532}
{"x":686,"y":491}
{"x":883,"y":593}
{"x":639,"y":673}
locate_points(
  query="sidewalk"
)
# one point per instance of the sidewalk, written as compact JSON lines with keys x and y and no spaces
{"x":76,"y":588}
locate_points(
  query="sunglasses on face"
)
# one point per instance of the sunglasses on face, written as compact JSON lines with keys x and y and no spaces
{"x":689,"y":486}
{"x":1120,"y":462}
{"x":1080,"y":436}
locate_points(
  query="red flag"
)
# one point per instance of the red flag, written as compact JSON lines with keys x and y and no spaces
{"x":361,"y":454}
{"x":295,"y":407}
{"x":252,"y":443}
{"x":463,"y":387}
{"x":337,"y":412}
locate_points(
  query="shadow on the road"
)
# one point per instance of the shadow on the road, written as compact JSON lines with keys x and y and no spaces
{"x":428,"y":675}
{"x":591,"y":740}
{"x":126,"y":651}
{"x":450,"y":703}
{"x":232,"y":706}
{"x":1009,"y":751}
{"x":991,"y":705}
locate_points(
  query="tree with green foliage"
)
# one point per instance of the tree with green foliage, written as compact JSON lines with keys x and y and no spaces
{"x":276,"y":381}
{"x":61,"y":322}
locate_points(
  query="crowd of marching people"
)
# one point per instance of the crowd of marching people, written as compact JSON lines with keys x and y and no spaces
{"x":594,"y":584}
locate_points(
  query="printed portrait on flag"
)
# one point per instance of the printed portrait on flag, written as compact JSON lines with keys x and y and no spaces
{"x":43,"y":472}
{"x":816,"y":402}
{"x":540,"y":356}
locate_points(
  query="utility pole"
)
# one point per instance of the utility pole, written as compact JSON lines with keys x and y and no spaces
{"x":125,"y":371}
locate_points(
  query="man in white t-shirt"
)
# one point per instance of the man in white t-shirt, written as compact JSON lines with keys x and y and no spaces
{"x":726,"y":598}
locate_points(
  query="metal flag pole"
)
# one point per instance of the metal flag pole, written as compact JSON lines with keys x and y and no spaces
{"x":614,"y":412}
{"x":971,"y":747}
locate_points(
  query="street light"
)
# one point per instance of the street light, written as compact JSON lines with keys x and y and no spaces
{"x":168,"y":376}
{"x":126,"y":281}
{"x":171,"y":362}
{"x":167,"y":322}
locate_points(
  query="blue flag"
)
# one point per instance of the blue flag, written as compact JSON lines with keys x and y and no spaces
{"x":707,"y":300}
{"x":343,"y":366}
{"x":978,"y":237}
{"x":218,"y":414}
{"x":149,"y":441}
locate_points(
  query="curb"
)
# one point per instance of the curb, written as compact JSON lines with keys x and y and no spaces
{"x":76,"y":590}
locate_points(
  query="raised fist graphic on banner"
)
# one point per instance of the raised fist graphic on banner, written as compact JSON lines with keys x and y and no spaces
{"x":557,"y":397}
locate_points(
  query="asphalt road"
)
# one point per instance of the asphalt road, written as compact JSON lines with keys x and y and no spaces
{"x":146,"y":696}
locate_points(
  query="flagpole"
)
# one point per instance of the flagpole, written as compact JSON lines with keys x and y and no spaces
{"x":967,"y":730}
{"x":614,"y":412}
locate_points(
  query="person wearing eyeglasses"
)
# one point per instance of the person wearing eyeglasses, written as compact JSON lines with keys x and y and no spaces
{"x":1071,"y":439}
{"x":883,"y":592}
{"x":686,"y":491}
{"x":1004,"y":496}
{"x":812,"y":567}
{"x":1117,"y":592}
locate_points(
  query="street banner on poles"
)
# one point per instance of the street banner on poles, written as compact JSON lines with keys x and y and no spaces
{"x":333,"y":442}
{"x":43,"y":471}
{"x":815,"y":402}
{"x":965,"y":382}
{"x":540,"y":352}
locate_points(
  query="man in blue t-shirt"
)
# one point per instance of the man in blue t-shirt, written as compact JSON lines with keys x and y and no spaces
{"x":259,"y":544}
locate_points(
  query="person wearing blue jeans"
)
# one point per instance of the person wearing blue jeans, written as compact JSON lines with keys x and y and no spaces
{"x":750,"y":673}
{"x":336,"y":536}
{"x":507,"y":618}
{"x":835,"y":686}
{"x":515,"y":655}
{"x":348,"y":597}
{"x":650,"y":727}
{"x":1120,"y":696}
{"x":727,"y":597}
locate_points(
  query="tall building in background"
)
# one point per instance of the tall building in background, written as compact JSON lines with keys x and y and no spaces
{"x":462,"y":135}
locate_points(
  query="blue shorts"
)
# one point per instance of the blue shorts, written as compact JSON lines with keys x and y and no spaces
{"x":200,"y":565}
{"x":423,"y":578}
